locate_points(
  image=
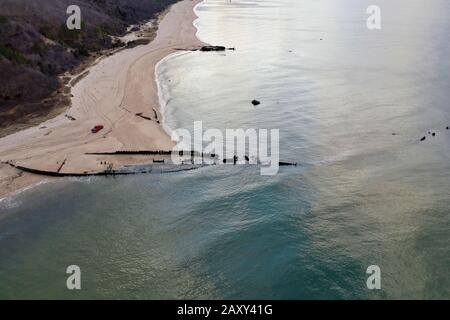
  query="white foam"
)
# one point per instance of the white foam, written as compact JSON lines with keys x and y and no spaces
{"x":12,"y":199}
{"x":163,"y":95}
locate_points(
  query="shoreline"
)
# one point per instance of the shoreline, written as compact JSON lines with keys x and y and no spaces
{"x":112,"y":93}
{"x":161,"y":101}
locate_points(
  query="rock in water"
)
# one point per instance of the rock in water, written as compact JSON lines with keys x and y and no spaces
{"x":281,"y":163}
{"x":212,"y":48}
{"x":423,"y":139}
{"x":138,"y":42}
{"x":255,"y":102}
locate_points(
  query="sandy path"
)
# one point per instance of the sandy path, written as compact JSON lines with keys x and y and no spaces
{"x":111,"y":94}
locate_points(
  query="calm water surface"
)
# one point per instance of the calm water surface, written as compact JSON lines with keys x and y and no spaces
{"x":361,"y":196}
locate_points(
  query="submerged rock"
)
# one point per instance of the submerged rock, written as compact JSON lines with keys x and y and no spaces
{"x":281,"y":163}
{"x":256,"y":102}
{"x":423,"y":139}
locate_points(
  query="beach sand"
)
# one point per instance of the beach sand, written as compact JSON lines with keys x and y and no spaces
{"x":111,"y":94}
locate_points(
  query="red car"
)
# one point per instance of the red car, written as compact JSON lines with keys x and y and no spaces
{"x":97,"y":128}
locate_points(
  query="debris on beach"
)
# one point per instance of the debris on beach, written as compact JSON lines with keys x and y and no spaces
{"x":70,"y":117}
{"x":97,"y":128}
{"x":62,"y":165}
{"x":256,"y":102}
{"x":142,"y":116}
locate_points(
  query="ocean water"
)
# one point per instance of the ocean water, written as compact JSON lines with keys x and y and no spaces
{"x":351,"y":106}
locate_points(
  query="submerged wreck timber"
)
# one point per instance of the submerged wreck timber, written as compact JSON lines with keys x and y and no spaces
{"x":160,"y":163}
{"x":158,"y":166}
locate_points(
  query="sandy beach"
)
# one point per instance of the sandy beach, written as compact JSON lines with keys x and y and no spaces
{"x":119,"y":93}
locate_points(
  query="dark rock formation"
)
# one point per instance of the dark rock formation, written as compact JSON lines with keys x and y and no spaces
{"x":281,"y":164}
{"x":256,"y":102}
{"x":212,"y":48}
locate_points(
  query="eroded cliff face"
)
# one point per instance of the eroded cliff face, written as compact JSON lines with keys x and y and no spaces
{"x":36,"y":47}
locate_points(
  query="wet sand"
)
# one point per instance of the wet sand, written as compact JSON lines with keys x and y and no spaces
{"x":112,"y":94}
